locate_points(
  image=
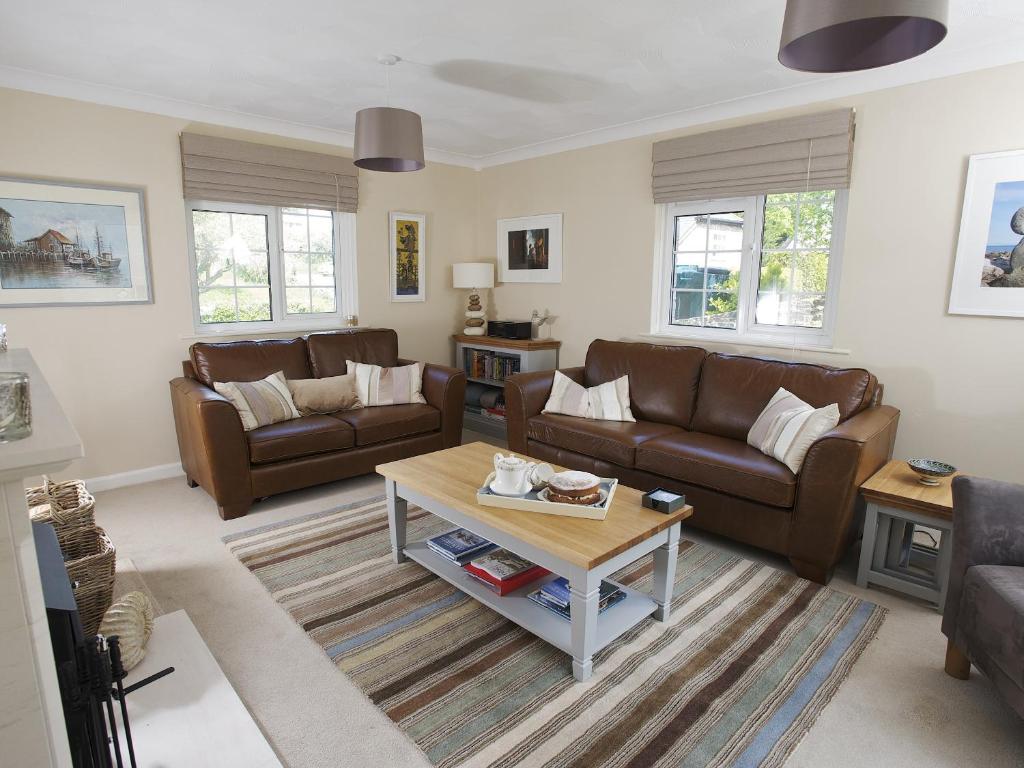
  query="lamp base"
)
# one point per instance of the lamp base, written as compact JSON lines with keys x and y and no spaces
{"x":473,"y":331}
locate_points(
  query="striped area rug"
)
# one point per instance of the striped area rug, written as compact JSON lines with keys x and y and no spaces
{"x":750,"y":656}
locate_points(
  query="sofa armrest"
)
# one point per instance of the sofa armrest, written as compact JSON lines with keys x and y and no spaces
{"x":988,"y":529}
{"x":828,"y":495}
{"x":444,"y":388}
{"x":525,"y":396}
{"x":212,"y":444}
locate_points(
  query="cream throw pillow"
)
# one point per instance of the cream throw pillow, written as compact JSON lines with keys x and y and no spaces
{"x":260,"y":403}
{"x":787,"y":427}
{"x":327,"y":395}
{"x":605,"y":402}
{"x":387,"y":386}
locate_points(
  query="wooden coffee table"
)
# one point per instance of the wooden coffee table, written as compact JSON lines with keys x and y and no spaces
{"x":584,"y":551}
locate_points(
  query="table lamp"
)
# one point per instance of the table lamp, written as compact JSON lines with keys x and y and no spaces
{"x":474,"y":275}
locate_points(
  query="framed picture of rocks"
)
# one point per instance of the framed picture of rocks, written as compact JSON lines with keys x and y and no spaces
{"x":988,"y":278}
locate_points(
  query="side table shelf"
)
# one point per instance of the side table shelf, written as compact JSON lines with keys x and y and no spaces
{"x":488,"y":361}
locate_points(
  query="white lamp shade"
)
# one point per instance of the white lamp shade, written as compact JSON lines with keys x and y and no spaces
{"x":473,"y":274}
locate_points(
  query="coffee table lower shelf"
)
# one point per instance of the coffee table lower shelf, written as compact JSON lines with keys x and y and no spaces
{"x":518,"y":608}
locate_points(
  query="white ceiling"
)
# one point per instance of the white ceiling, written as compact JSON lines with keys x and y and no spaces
{"x":493,"y":81}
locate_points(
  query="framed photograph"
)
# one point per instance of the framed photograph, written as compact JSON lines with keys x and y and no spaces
{"x":408,"y":243}
{"x":63,"y":243}
{"x":988,"y":278}
{"x":530,"y":249}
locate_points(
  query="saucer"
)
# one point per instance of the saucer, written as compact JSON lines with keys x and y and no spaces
{"x":495,"y":489}
{"x":543,"y":496}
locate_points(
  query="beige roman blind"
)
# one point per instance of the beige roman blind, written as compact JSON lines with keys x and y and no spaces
{"x":230,"y":171}
{"x":789,"y":155}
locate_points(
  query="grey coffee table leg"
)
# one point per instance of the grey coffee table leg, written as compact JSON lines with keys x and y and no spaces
{"x":867,"y":545}
{"x":584,"y":593}
{"x":397,"y":508}
{"x":665,"y":573}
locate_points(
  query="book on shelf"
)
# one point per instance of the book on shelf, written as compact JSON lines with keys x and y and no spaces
{"x":505,"y":586}
{"x":557,"y":592}
{"x":542,"y":599}
{"x":459,"y":546}
{"x":482,"y":364}
{"x":501,"y":564}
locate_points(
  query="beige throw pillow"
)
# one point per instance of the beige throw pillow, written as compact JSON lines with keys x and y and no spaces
{"x":605,"y":402}
{"x":387,"y":386}
{"x":327,"y":395}
{"x":260,"y":403}
{"x":787,"y":427}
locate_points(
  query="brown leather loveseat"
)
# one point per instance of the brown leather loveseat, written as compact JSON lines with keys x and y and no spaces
{"x":236,"y":467}
{"x":693,"y":412}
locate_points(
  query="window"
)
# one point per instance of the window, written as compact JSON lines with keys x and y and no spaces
{"x":762,"y":269}
{"x":257,"y":268}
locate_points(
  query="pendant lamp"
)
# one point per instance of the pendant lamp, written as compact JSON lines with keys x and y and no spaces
{"x":851,"y":35}
{"x":387,"y":138}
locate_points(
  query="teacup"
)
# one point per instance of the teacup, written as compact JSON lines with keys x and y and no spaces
{"x":513,"y":476}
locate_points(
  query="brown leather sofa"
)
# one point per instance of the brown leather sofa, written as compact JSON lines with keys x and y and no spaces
{"x":237,"y":467}
{"x":693,"y":412}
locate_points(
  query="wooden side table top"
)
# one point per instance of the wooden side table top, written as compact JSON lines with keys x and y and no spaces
{"x":897,"y":485}
{"x":453,"y":476}
{"x":496,"y":341}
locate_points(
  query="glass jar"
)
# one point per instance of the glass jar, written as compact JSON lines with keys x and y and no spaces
{"x":15,"y":407}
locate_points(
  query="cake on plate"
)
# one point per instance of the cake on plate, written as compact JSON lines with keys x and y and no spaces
{"x":574,"y":487}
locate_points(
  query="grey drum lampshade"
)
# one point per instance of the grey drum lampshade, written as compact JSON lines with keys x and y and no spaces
{"x":473,"y":274}
{"x":850,"y":35}
{"x":388,"y":139}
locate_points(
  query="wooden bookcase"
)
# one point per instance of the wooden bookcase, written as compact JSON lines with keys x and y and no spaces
{"x":513,"y":355}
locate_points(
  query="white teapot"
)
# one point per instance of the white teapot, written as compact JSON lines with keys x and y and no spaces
{"x":513,"y":476}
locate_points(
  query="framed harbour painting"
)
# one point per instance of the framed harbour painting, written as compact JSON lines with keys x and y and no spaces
{"x":408,"y":273}
{"x":988,"y":278}
{"x":530,"y":249}
{"x":63,"y":243}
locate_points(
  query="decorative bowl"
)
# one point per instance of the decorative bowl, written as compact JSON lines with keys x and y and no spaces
{"x":929,"y":470}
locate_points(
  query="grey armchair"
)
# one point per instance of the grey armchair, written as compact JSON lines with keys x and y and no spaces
{"x":984,"y":613}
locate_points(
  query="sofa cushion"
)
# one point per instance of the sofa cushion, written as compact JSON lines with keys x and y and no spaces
{"x":719,"y":463}
{"x":992,"y":616}
{"x":389,"y":422}
{"x":614,"y":441}
{"x":734,"y":390}
{"x":299,"y":437}
{"x":328,"y":351}
{"x":662,"y":379}
{"x":249,"y":360}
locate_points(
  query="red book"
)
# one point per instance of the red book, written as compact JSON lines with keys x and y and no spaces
{"x":504,"y":586}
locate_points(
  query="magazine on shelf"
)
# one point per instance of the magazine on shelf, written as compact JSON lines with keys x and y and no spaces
{"x":541,"y":599}
{"x":505,"y":586}
{"x":502,"y":564}
{"x":557,"y":591}
{"x":459,"y":545}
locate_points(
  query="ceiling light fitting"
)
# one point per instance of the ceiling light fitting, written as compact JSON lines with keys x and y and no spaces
{"x":387,"y":138}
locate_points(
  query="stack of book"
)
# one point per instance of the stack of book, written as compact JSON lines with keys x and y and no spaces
{"x":459,"y":546}
{"x":502,"y":571}
{"x":555,"y":596}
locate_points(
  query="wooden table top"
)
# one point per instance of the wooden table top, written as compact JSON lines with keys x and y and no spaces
{"x":897,"y":485}
{"x":527,"y":345}
{"x":454,"y":475}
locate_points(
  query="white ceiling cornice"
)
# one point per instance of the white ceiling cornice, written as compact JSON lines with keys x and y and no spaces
{"x":817,"y":90}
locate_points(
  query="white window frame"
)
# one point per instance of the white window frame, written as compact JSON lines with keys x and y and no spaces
{"x":345,"y":285}
{"x":747,"y":330}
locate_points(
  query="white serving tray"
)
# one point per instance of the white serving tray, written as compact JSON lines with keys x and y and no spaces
{"x":530,"y":503}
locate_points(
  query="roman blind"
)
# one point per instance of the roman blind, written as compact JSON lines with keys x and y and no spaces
{"x":231,"y":171}
{"x":789,"y":155}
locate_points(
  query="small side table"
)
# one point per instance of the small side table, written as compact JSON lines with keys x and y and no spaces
{"x":896,"y":504}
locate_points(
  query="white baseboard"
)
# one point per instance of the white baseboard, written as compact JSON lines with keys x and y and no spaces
{"x":134,"y":477}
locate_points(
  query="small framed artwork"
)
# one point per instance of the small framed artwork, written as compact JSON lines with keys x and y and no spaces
{"x":408,"y":241}
{"x":530,"y":249}
{"x":988,"y":278}
{"x":63,"y":243}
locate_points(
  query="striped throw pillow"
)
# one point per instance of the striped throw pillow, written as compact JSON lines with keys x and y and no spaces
{"x":605,"y":402}
{"x":260,"y":403}
{"x":788,"y":426}
{"x":387,"y":386}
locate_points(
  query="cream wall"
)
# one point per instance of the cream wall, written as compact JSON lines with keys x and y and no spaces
{"x":956,"y":379}
{"x":110,"y":365}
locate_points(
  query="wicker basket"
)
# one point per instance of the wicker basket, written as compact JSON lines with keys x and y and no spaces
{"x":90,"y":564}
{"x":68,"y":506}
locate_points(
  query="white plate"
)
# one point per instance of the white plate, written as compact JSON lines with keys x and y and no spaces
{"x":495,"y":490}
{"x":543,"y":496}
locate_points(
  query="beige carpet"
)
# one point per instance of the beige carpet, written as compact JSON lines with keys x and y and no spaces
{"x":896,"y":709}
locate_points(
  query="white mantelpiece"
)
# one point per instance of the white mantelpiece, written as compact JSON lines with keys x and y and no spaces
{"x":32,"y":728}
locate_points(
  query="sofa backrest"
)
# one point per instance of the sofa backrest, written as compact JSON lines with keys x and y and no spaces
{"x":328,"y":351}
{"x":735,"y":389}
{"x":249,"y":360}
{"x":662,"y":379}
